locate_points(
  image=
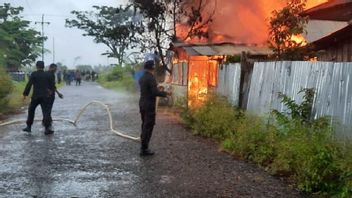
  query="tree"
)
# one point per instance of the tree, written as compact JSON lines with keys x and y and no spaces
{"x":20,"y":44}
{"x":84,"y":67}
{"x":286,"y":29}
{"x":114,"y":27}
{"x":61,"y":66}
{"x":163,"y":17}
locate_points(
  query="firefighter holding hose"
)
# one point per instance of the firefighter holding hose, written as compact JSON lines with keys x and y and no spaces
{"x":147,"y":105}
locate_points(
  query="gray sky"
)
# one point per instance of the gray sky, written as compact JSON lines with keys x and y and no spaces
{"x":69,"y":42}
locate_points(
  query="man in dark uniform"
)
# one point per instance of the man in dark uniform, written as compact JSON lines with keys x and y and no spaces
{"x":40,"y":81}
{"x":147,"y":104}
{"x":52,"y":89}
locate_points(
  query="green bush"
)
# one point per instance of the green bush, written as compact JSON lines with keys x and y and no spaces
{"x":289,"y":144}
{"x":215,"y":119}
{"x":128,"y":83}
{"x":307,"y":148}
{"x":314,"y":159}
{"x":120,"y":78}
{"x":6,"y":87}
{"x":254,"y":140}
{"x":116,"y":74}
{"x":16,"y":98}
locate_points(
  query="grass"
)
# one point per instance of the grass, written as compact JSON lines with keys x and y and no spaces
{"x":16,"y":98}
{"x":126,"y":84}
{"x":307,"y":152}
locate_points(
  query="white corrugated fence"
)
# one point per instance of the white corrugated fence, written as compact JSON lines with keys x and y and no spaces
{"x":331,"y":81}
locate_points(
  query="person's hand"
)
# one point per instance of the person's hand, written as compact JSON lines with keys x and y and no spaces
{"x":61,"y":96}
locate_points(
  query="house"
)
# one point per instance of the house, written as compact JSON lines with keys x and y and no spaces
{"x":195,"y":67}
{"x":336,"y":46}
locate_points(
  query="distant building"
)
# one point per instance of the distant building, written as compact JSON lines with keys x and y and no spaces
{"x":337,"y":46}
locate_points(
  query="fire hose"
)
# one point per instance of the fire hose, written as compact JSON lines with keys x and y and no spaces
{"x":75,"y":121}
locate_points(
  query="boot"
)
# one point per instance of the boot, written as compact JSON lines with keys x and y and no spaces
{"x":48,"y":131}
{"x":28,"y":129}
{"x":146,"y":152}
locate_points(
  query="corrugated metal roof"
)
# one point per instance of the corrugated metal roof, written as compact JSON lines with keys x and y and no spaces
{"x":335,"y":10}
{"x":206,"y":50}
{"x":334,"y":38}
{"x":317,"y":29}
{"x":223,"y":49}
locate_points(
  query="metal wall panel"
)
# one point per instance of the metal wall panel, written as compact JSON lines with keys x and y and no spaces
{"x":332,"y":83}
{"x":229,"y":82}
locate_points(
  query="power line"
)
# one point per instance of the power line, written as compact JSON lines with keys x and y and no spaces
{"x":51,"y":15}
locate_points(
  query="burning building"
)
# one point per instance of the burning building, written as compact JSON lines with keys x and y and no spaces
{"x":195,"y":67}
{"x":336,"y":46}
{"x":195,"y":63}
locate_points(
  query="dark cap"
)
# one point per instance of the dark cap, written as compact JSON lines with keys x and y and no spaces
{"x":149,"y":65}
{"x":40,"y":64}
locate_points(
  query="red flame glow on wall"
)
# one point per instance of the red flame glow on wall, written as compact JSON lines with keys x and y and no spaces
{"x":240,"y":21}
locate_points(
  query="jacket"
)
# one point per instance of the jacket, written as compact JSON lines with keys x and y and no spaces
{"x":149,"y":91}
{"x":40,"y":81}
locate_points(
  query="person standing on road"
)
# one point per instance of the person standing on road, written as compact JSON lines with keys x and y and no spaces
{"x":59,"y":77}
{"x":40,"y":81}
{"x":78,"y":77}
{"x":147,"y":105}
{"x":52,"y":89}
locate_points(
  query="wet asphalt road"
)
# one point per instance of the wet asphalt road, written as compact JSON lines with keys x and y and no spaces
{"x":90,"y":161}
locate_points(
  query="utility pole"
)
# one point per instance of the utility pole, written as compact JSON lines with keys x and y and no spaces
{"x":43,"y":38}
{"x":53,"y":49}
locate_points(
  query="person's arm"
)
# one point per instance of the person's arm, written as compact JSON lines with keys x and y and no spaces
{"x":52,"y":80}
{"x":28,"y":87}
{"x":59,"y":94}
{"x":155,"y":90}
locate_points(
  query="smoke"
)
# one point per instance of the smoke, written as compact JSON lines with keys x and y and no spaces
{"x":243,"y":21}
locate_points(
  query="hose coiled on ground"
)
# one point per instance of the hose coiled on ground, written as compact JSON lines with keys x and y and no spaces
{"x":75,"y":121}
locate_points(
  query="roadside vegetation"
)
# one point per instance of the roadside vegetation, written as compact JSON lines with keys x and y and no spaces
{"x":10,"y":93}
{"x":118,"y":78}
{"x":289,"y":144}
{"x":19,"y":48}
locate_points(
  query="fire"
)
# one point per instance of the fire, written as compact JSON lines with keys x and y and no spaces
{"x":314,"y":59}
{"x":202,"y":75}
{"x":239,"y":21}
{"x":312,"y":3}
{"x":299,"y":39}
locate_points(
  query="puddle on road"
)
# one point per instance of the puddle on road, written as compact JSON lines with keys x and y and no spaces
{"x":166,"y":179}
{"x":82,"y":183}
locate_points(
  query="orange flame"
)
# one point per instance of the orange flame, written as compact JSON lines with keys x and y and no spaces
{"x":299,"y":39}
{"x":312,"y":3}
{"x":240,"y":21}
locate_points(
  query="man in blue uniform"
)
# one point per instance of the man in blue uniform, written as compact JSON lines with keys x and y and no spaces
{"x":40,"y":81}
{"x":147,"y":105}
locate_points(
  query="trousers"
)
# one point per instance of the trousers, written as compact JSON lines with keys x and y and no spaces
{"x":51,"y":100}
{"x":45,"y":106}
{"x":148,"y":122}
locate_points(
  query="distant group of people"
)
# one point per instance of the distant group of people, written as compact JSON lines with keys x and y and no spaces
{"x":44,"y":91}
{"x":77,"y":76}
